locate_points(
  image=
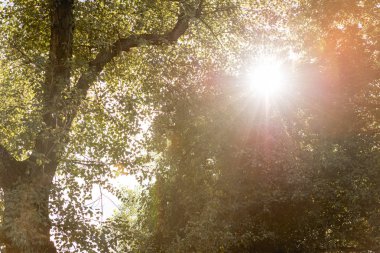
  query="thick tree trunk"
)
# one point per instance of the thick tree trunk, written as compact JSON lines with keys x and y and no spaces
{"x":26,"y":225}
{"x":26,"y":185}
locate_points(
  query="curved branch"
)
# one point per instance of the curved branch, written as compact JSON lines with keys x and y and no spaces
{"x":96,"y":66}
{"x":125,"y":44}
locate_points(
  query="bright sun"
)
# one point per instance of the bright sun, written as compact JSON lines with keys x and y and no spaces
{"x":267,"y":78}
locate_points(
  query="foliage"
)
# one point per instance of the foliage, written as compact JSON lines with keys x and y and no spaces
{"x":235,"y":175}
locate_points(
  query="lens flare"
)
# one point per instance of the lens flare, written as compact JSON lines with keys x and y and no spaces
{"x":267,"y":78}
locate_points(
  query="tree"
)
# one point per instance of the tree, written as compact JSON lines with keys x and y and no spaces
{"x":49,"y":40}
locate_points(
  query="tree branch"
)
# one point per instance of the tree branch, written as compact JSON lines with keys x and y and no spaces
{"x":27,"y":58}
{"x":125,"y":44}
{"x":96,"y":66}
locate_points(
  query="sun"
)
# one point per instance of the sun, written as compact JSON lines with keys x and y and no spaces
{"x":266,"y":78}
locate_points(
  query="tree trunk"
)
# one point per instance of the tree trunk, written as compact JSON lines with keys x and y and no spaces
{"x":26,"y":185}
{"x":26,"y":224}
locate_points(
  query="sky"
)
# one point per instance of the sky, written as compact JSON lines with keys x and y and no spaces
{"x":110,"y":203}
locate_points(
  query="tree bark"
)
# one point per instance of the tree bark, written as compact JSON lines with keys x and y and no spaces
{"x":26,"y":188}
{"x":26,"y":225}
